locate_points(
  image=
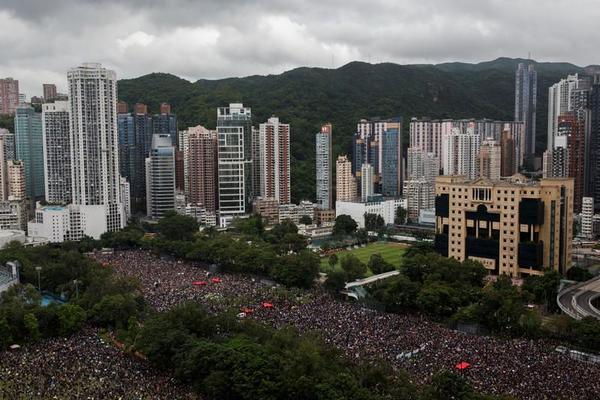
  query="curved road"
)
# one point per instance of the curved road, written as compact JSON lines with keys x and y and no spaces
{"x":576,"y":300}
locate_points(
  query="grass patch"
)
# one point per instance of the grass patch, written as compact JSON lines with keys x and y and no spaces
{"x":391,"y":252}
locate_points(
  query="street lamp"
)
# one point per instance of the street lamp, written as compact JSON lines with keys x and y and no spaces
{"x":38,"y":269}
{"x":76,"y":283}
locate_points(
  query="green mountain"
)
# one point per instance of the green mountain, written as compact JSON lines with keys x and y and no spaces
{"x":307,"y":97}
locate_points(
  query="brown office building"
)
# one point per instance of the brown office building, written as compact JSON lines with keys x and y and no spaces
{"x":512,"y":226}
{"x":508,"y":163}
{"x":201,"y":161}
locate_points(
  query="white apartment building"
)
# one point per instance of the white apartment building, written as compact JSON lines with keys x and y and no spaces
{"x":561,"y":100}
{"x":345,"y":182}
{"x":367,"y":173}
{"x":71,"y":222}
{"x":420,"y":195}
{"x":95,"y":141}
{"x":421,"y":165}
{"x":126,"y":197}
{"x":274,"y":160}
{"x":587,"y":217}
{"x":460,"y":153}
{"x":57,"y":152}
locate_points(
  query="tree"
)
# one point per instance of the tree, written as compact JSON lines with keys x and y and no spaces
{"x":336,"y":280}
{"x":354,"y":267}
{"x":251,"y":226}
{"x":374,"y":222}
{"x":448,"y":385}
{"x":71,"y":318}
{"x":174,"y":226}
{"x":544,"y":288}
{"x":579,"y":274}
{"x":305,"y":219}
{"x":344,"y":225}
{"x":399,"y":293}
{"x":299,"y":269}
{"x":333,"y":260}
{"x":115,"y":310}
{"x":5,"y":334}
{"x":378,"y":265}
{"x":32,"y":327}
{"x":400,"y":217}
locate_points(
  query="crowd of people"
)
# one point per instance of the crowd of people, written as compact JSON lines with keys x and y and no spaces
{"x":522,"y":368}
{"x":82,"y":366}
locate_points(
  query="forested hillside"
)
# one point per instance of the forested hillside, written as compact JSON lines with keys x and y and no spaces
{"x":307,"y":97}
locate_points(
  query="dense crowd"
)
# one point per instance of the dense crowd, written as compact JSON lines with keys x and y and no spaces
{"x":523,"y":368}
{"x":82,"y":366}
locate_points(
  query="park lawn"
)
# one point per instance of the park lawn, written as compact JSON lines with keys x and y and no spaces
{"x":391,"y":252}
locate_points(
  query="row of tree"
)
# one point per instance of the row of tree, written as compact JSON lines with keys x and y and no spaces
{"x":93,"y":294}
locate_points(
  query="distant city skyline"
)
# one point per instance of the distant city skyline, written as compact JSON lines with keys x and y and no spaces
{"x":196,"y":40}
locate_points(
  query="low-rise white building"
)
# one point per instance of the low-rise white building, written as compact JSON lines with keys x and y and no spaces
{"x":357,"y":210}
{"x":72,"y":222}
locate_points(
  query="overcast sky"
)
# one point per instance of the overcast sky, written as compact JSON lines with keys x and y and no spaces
{"x":41,"y":39}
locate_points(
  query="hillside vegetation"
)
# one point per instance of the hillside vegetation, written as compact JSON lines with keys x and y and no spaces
{"x":307,"y":97}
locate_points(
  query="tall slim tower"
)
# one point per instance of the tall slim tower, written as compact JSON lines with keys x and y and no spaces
{"x":274,"y":160}
{"x":95,"y":140}
{"x":391,"y":157}
{"x":160,"y":176}
{"x":508,"y":164}
{"x":526,"y":103}
{"x":9,"y":96}
{"x":366,"y":181}
{"x":324,"y":164}
{"x":49,"y":90}
{"x":593,"y":149}
{"x":490,"y":161}
{"x":57,"y":152}
{"x":30,"y":149}
{"x":200,"y":159}
{"x":234,"y":133}
{"x":345,"y":182}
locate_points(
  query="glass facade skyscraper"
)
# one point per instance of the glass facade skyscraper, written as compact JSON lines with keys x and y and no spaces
{"x":160,"y":177}
{"x":30,"y":149}
{"x":391,"y":176}
{"x":526,"y":103}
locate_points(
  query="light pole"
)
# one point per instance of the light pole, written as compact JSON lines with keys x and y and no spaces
{"x":76,"y":283}
{"x":38,"y":269}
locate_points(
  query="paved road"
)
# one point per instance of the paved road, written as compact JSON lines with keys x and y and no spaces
{"x":576,"y":300}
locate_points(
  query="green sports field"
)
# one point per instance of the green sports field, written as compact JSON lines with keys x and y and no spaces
{"x":391,"y":252}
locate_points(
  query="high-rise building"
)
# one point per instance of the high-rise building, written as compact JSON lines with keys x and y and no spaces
{"x":57,"y":152}
{"x":427,"y":135}
{"x":514,"y":226}
{"x":490,"y":159}
{"x":256,"y":163}
{"x":567,"y":95}
{"x":508,"y":164}
{"x":391,"y":160}
{"x":526,"y":103}
{"x":587,"y":217}
{"x":367,"y":173}
{"x":200,"y":160}
{"x":15,"y":170}
{"x":180,"y":170}
{"x":9,"y":96}
{"x":95,"y":141}
{"x":126,"y":198}
{"x":324,"y":164}
{"x":460,"y":153}
{"x":49,"y":90}
{"x":165,"y":122}
{"x":8,"y":140}
{"x":160,"y":177}
{"x":345,"y":182}
{"x":368,"y":147}
{"x":274,"y":160}
{"x":234,"y":133}
{"x":593,"y":149}
{"x":30,"y":149}
{"x":420,"y":195}
{"x":421,"y":165}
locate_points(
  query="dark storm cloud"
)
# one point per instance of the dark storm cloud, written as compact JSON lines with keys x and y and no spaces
{"x":40,"y":40}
